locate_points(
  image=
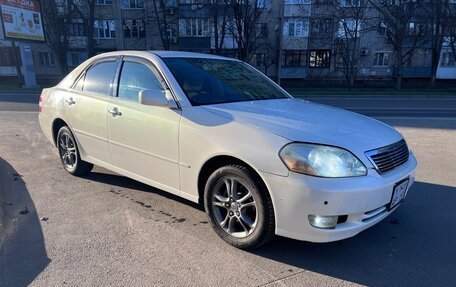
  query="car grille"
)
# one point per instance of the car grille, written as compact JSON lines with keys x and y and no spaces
{"x":389,"y":157}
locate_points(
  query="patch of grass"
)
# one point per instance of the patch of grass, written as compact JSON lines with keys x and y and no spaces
{"x":371,"y":91}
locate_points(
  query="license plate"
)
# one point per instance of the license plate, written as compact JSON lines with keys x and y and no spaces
{"x":399,"y":193}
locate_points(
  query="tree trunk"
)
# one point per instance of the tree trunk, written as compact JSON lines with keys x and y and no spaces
{"x":62,"y":57}
{"x":352,"y":83}
{"x":433,"y":81}
{"x":399,"y":82}
{"x":400,"y":70}
{"x":434,"y":66}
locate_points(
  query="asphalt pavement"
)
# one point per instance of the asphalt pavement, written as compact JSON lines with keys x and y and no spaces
{"x":107,"y":230}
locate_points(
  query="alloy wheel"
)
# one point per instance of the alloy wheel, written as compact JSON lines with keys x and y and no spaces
{"x":234,"y":207}
{"x":67,"y":150}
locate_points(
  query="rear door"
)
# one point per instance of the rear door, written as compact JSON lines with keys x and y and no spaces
{"x":87,"y":108}
{"x":143,"y":139}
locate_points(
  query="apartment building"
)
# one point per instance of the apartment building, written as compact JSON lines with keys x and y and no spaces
{"x":295,"y":40}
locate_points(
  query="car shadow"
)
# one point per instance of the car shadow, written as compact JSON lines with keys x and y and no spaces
{"x":414,"y":246}
{"x":109,"y":178}
{"x":23,"y":253}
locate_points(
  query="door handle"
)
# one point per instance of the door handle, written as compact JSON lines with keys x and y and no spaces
{"x":70,"y":101}
{"x":115,"y":112}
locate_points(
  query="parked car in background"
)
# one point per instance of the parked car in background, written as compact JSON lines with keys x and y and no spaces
{"x":216,"y":131}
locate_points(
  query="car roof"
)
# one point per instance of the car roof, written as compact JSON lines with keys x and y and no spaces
{"x":165,"y":54}
{"x":180,"y":54}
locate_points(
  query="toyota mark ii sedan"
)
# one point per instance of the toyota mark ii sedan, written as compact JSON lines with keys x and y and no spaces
{"x":216,"y":131}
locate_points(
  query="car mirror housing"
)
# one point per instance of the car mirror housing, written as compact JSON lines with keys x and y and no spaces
{"x":157,"y":97}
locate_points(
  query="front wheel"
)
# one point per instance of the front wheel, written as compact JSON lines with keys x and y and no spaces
{"x":69,"y":153}
{"x":239,"y":207}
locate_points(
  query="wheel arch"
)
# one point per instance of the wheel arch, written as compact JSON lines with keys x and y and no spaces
{"x":218,"y":161}
{"x":57,"y":124}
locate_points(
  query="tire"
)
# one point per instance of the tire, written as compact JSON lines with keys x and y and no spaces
{"x":69,"y":153}
{"x":243,"y":217}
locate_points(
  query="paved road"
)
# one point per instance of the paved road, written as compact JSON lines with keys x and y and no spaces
{"x":389,"y":106}
{"x":108,"y":230}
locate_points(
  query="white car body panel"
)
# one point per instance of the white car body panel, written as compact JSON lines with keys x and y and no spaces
{"x":87,"y":118}
{"x":144,"y":141}
{"x":167,"y":148}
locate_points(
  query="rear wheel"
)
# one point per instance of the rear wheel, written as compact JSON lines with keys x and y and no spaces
{"x":69,"y":153}
{"x":239,"y":207}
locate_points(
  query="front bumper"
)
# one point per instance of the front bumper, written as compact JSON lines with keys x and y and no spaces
{"x":363,"y":199}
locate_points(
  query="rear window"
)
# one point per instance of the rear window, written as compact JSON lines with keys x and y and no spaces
{"x":99,"y":78}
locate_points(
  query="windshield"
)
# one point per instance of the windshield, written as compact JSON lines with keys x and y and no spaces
{"x":214,"y":81}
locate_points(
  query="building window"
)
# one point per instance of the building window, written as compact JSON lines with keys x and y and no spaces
{"x":417,"y":28}
{"x":46,"y":59}
{"x":74,"y":59}
{"x":294,"y":58}
{"x":321,"y":27}
{"x":7,"y":58}
{"x":260,"y":59}
{"x":320,"y":58}
{"x":296,"y":27}
{"x":132,"y":4}
{"x":194,"y":27}
{"x":103,"y":2}
{"x":349,"y":28}
{"x":297,"y":2}
{"x":447,"y":59}
{"x":381,"y":59}
{"x":134,"y":29}
{"x":76,"y":29}
{"x":263,"y":3}
{"x":350,"y":3}
{"x":382,"y":28}
{"x":420,"y":58}
{"x":190,"y":1}
{"x":104,"y":29}
{"x":261,"y":30}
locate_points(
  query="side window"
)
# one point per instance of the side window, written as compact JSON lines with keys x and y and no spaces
{"x":99,"y":78}
{"x":136,"y":77}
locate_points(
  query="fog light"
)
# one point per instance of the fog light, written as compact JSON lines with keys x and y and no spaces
{"x":326,"y":222}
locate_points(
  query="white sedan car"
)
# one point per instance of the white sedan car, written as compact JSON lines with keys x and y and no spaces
{"x":216,"y":131}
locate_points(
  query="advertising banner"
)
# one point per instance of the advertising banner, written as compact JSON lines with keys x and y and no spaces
{"x":22,"y":19}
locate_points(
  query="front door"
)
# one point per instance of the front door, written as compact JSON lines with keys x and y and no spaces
{"x":143,"y":139}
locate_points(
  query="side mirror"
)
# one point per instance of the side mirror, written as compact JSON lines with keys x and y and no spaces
{"x":157,"y":98}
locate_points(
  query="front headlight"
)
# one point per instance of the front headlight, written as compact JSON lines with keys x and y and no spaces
{"x":320,"y":160}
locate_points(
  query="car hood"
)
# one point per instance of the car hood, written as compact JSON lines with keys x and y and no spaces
{"x":304,"y":121}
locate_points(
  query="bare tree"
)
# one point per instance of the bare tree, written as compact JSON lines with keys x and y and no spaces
{"x":163,"y":20}
{"x":352,"y":20}
{"x":219,"y":13}
{"x":438,"y":14}
{"x":246,"y":19}
{"x":403,"y":32}
{"x":85,"y":10}
{"x":450,"y":39}
{"x":55,"y":20}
